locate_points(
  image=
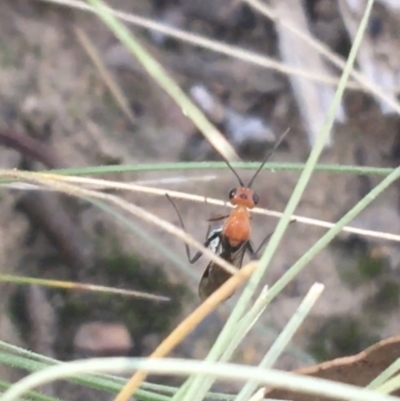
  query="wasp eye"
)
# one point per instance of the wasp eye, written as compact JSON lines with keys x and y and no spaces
{"x":232,"y":193}
{"x":256,"y":199}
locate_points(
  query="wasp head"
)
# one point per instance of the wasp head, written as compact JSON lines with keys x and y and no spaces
{"x":244,"y":197}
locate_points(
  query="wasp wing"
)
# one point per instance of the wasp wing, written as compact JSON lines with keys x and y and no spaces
{"x":214,"y":276}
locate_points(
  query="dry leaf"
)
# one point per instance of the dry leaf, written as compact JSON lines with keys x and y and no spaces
{"x":358,"y":370}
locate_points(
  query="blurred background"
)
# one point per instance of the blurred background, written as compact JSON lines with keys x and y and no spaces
{"x":274,"y":66}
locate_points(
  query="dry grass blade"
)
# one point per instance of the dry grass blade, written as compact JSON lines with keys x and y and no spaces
{"x":313,"y":99}
{"x":70,"y":285}
{"x":56,"y":182}
{"x":185,"y":327}
{"x":210,"y":44}
{"x":157,"y":72}
{"x":197,"y":198}
{"x":363,"y":81}
{"x":106,"y":184}
{"x":106,"y":75}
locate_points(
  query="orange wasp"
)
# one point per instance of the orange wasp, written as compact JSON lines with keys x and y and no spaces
{"x":231,"y":241}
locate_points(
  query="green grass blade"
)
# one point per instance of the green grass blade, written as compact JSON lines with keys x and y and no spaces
{"x":198,"y":166}
{"x":284,"y":338}
{"x":199,"y":386}
{"x":385,"y":375}
{"x":246,"y":323}
{"x":390,"y":386}
{"x":331,"y":234}
{"x":33,"y":362}
{"x":312,"y":160}
{"x":33,"y":395}
{"x":109,"y":384}
{"x":70,"y":285}
{"x":157,"y":72}
{"x":233,"y":372}
{"x":142,"y":233}
{"x":241,"y":330}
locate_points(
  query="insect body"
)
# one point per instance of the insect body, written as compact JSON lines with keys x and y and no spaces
{"x":231,"y":241}
{"x":214,"y":276}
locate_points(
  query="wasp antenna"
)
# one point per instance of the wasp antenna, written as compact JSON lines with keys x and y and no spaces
{"x":234,"y":172}
{"x":269,"y":154}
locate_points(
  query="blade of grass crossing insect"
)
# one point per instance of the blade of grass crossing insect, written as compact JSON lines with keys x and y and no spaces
{"x":199,"y":387}
{"x":156,"y":71}
{"x":284,"y":338}
{"x":139,"y":187}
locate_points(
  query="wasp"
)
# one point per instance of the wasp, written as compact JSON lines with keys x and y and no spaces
{"x":231,"y":240}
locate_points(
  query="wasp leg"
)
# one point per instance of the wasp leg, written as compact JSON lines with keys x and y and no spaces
{"x":208,"y":241}
{"x":254,"y":253}
{"x":218,"y":218}
{"x":198,"y":255}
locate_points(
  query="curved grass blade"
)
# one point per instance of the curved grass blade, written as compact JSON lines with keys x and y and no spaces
{"x":182,"y":367}
{"x":70,"y":285}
